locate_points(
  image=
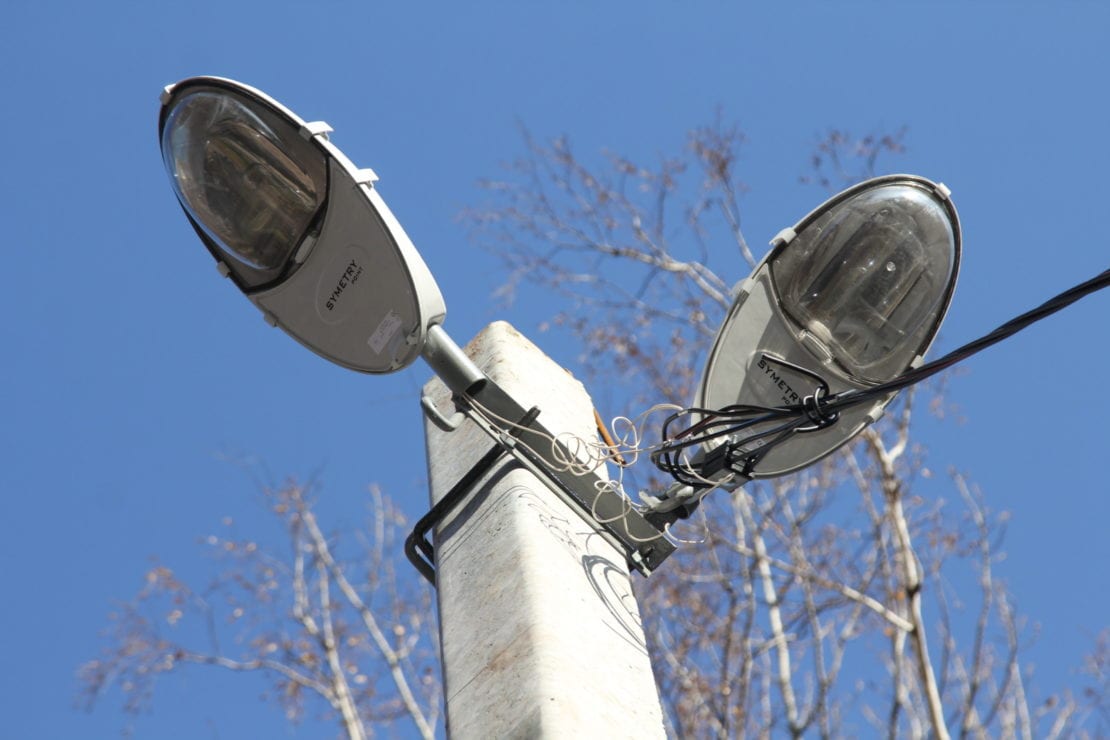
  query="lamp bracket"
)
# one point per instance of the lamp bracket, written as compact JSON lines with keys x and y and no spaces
{"x":642,"y":542}
{"x":785,"y":236}
{"x":366,"y":176}
{"x":312,"y":129}
{"x":446,"y":423}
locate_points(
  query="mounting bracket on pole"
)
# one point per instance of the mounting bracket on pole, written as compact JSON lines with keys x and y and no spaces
{"x":644,"y":544}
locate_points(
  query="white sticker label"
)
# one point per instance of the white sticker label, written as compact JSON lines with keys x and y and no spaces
{"x":385,"y":332}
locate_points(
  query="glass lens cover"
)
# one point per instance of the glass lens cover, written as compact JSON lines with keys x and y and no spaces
{"x":868,"y":278}
{"x":245,"y":175}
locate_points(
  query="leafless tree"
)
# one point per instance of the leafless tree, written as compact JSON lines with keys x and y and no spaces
{"x":819,"y":604}
{"x":337,"y":634}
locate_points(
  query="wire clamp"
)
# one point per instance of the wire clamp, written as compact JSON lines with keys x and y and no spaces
{"x":817,"y":412}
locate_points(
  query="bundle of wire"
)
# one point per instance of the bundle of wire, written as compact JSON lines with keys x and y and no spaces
{"x":579,"y":456}
{"x":751,"y":432}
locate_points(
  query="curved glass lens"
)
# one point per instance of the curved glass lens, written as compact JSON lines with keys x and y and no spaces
{"x":868,"y":278}
{"x":244,"y":174}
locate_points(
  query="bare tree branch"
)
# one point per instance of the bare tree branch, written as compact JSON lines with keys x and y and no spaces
{"x":392,"y":658}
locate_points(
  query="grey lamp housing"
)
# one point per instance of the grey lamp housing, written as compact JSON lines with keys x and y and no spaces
{"x":850,"y":297}
{"x":296,"y":226}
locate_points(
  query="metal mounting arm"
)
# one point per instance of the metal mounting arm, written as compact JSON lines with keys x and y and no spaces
{"x":643,"y":543}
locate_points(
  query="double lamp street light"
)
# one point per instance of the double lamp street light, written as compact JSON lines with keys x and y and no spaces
{"x":847,"y":300}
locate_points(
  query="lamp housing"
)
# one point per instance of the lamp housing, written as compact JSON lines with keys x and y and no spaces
{"x":300,"y":230}
{"x":850,"y":297}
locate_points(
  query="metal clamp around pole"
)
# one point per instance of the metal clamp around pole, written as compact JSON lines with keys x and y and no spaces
{"x":642,"y":541}
{"x":419,"y":549}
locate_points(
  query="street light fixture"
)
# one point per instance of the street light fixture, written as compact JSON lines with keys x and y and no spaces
{"x":296,"y":226}
{"x":849,"y":298}
{"x":305,"y":236}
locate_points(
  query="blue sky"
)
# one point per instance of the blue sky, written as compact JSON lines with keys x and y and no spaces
{"x":142,"y":398}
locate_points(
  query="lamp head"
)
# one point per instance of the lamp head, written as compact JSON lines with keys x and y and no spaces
{"x":296,"y":226}
{"x":850,"y":297}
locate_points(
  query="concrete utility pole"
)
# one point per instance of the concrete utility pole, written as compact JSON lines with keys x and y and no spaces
{"x":539,"y":628}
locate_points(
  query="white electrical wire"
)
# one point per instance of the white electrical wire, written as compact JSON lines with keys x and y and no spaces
{"x":580,"y":456}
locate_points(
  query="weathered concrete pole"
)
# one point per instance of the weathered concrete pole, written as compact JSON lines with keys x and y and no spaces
{"x":540,"y":632}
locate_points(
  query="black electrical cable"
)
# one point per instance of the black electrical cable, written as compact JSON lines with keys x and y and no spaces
{"x":823,"y":410}
{"x":737,"y":455}
{"x":1007,"y":330}
{"x":734,"y":419}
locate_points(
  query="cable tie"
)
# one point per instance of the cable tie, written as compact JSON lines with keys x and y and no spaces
{"x":817,"y":412}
